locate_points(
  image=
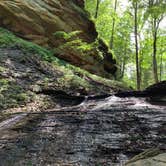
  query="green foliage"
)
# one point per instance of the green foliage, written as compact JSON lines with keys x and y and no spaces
{"x":105,"y":17}
{"x":65,"y":35}
{"x":150,"y":13}
{"x":7,"y":39}
{"x":12,"y":95}
{"x":155,"y":9}
{"x":3,"y":84}
{"x":77,"y":45}
{"x":72,"y":43}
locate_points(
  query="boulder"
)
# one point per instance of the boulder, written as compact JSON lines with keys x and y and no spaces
{"x":157,"y":89}
{"x":152,"y":157}
{"x":156,"y":92}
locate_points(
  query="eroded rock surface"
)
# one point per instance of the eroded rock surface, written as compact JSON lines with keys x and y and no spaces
{"x":103,"y":132}
{"x":27,"y":78}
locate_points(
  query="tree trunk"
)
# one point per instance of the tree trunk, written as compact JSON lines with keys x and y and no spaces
{"x":161,"y":66}
{"x":141,"y":59}
{"x":97,"y":8}
{"x":136,"y":46}
{"x":122,"y":69}
{"x":154,"y":52}
{"x":113,"y":26}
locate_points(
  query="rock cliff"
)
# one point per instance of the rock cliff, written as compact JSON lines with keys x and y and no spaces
{"x":38,"y":20}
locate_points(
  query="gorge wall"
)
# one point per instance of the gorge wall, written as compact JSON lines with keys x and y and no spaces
{"x":38,"y":20}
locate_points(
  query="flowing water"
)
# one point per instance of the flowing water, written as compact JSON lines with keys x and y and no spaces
{"x":96,"y":132}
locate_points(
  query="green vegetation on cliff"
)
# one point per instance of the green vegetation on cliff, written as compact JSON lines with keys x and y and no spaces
{"x":71,"y":42}
{"x":8,"y":39}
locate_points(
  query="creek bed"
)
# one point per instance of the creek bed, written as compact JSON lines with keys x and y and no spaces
{"x":97,"y":132}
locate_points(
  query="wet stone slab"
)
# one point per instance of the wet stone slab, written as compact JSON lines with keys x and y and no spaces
{"x":103,"y":132}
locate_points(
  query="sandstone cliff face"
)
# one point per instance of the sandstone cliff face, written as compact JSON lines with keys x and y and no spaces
{"x":38,"y":20}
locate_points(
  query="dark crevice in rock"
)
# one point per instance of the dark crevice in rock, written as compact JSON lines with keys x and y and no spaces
{"x":153,"y":91}
{"x":132,"y":94}
{"x":61,"y":95}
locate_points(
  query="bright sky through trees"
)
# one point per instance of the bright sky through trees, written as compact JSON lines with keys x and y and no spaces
{"x":125,"y":3}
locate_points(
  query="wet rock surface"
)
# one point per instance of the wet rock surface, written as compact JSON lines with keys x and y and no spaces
{"x":96,"y":132}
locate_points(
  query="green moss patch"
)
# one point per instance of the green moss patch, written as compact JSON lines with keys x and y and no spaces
{"x":12,"y":95}
{"x":8,"y":39}
{"x":71,"y":43}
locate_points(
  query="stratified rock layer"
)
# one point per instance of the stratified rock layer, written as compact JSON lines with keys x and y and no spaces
{"x":104,"y":132}
{"x":38,"y":20}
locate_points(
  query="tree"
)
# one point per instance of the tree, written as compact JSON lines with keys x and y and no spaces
{"x":122,"y":42}
{"x":136,"y":8}
{"x":138,"y":47}
{"x":113,"y":26}
{"x":97,"y":9}
{"x":155,"y":13}
{"x":162,"y":53}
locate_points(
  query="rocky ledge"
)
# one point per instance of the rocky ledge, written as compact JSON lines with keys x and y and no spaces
{"x":153,"y":93}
